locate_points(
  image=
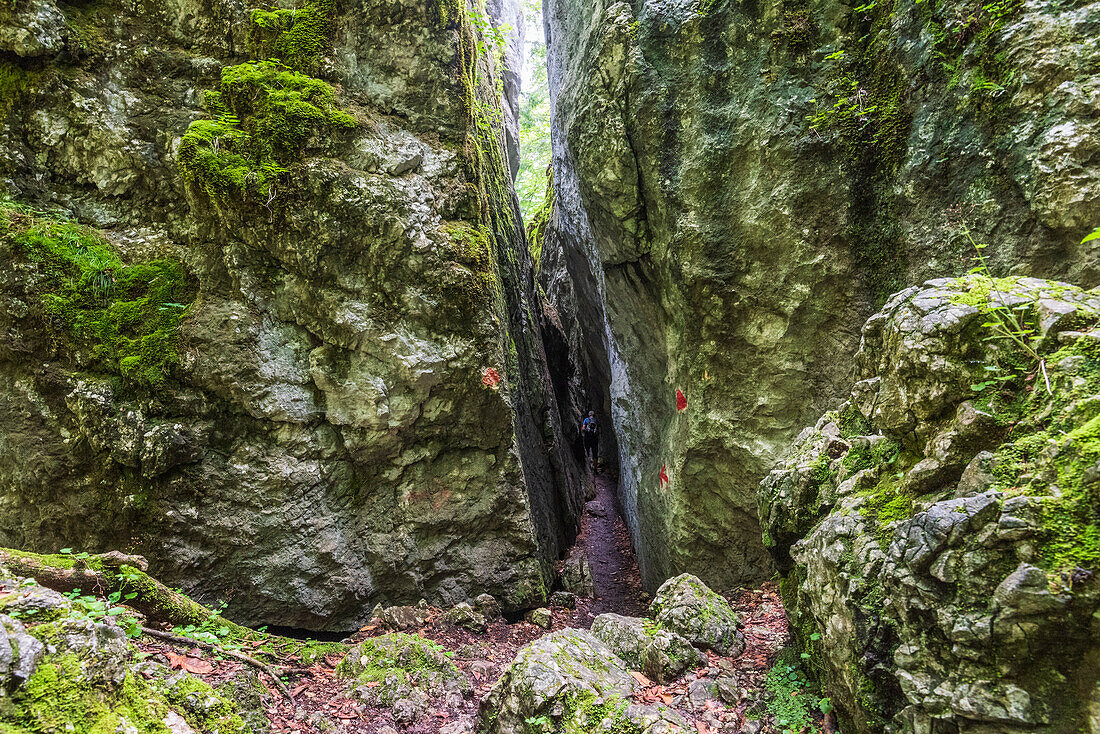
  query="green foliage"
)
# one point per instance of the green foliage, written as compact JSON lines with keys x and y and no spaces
{"x":1090,"y":237}
{"x":124,"y":318}
{"x":298,"y":37}
{"x":536,"y":226}
{"x":791,"y":701}
{"x":534,"y":128}
{"x":797,"y":30}
{"x":1057,"y":445}
{"x":265,"y":117}
{"x":13,"y":82}
{"x":965,"y":42}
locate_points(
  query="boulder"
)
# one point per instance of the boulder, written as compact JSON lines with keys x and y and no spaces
{"x":465,"y":616}
{"x":570,"y":681}
{"x":563,"y":600}
{"x":576,"y":574}
{"x":539,"y":617}
{"x":404,"y":673}
{"x":660,"y":654}
{"x":686,"y":606}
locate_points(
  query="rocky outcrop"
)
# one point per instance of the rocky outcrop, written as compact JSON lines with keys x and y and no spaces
{"x":687,"y":607}
{"x":937,"y":532}
{"x":298,"y":366}
{"x":738,"y":186}
{"x":658,"y":653}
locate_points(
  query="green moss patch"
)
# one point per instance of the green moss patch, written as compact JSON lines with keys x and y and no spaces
{"x":1054,"y":453}
{"x":265,"y":117}
{"x":58,"y":698}
{"x":298,"y":37}
{"x":116,"y":317}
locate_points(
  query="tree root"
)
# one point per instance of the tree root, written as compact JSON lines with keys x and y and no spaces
{"x":110,"y":572}
{"x":181,"y":640}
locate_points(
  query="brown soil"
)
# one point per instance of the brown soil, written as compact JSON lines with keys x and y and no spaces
{"x":606,"y":543}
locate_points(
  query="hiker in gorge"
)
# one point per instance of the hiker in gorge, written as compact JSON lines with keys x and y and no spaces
{"x":590,"y":437}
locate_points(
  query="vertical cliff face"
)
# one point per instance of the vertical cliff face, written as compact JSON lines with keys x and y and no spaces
{"x":738,"y":185}
{"x":350,"y":402}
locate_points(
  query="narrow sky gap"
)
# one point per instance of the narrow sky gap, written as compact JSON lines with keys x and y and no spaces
{"x":534,"y":114}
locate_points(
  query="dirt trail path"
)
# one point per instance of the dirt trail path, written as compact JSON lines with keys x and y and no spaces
{"x":606,"y":544}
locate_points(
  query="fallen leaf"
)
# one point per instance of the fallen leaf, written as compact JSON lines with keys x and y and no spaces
{"x":641,"y":679}
{"x":191,"y":665}
{"x":373,"y":684}
{"x":297,"y":689}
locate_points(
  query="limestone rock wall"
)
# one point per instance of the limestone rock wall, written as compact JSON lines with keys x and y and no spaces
{"x":360,"y":409}
{"x":936,"y":533}
{"x":740,"y":185}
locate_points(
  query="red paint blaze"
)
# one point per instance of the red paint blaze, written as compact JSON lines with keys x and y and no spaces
{"x":663,"y":476}
{"x":490,"y":378}
{"x":681,"y":401}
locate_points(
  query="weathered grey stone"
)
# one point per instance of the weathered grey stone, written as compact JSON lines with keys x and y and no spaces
{"x":463,"y":615}
{"x":539,"y":617}
{"x":576,"y":574}
{"x":31,"y":603}
{"x":405,"y":673}
{"x":662,"y":655}
{"x":686,"y":606}
{"x":20,"y":653}
{"x":563,"y":599}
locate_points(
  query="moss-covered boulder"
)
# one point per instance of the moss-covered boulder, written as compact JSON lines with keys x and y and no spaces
{"x":662,"y":655}
{"x":938,"y":533}
{"x":80,"y":673}
{"x":686,"y":606}
{"x":405,"y":673}
{"x":569,"y":682}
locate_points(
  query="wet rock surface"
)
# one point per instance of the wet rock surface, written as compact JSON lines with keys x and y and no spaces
{"x":933,"y":531}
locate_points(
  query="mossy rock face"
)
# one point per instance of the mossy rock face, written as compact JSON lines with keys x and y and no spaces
{"x":568,"y":682}
{"x":938,"y":532}
{"x":265,"y":271}
{"x":740,"y":185}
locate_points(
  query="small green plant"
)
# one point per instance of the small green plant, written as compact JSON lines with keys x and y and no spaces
{"x":1090,"y":237}
{"x":211,"y":630}
{"x":539,"y":724}
{"x":790,"y":700}
{"x":97,"y":608}
{"x":1006,"y":322}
